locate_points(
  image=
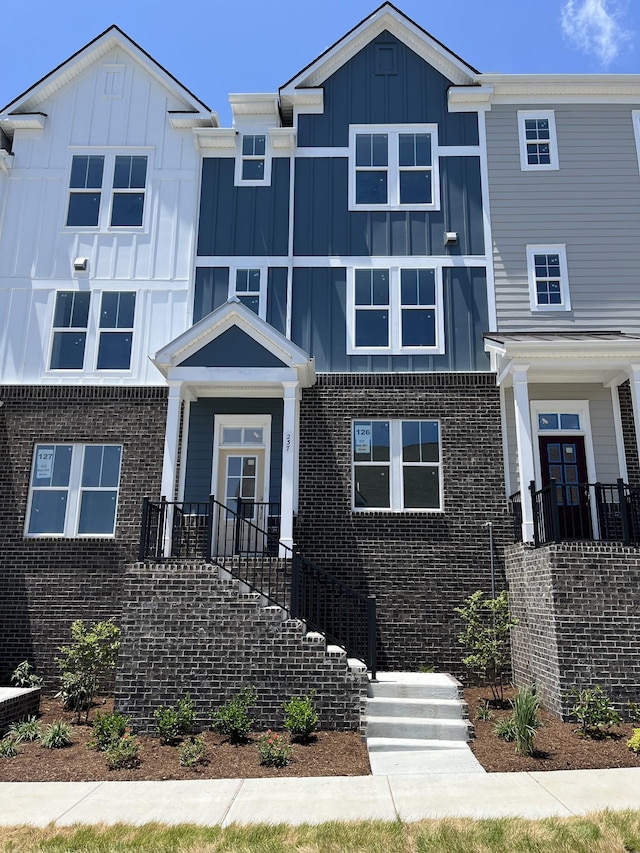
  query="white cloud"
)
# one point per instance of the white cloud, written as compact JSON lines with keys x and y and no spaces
{"x":596,"y":27}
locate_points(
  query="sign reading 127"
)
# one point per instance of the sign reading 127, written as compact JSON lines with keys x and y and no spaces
{"x":362,"y":435}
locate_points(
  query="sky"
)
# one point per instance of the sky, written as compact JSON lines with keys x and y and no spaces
{"x":223,"y":46}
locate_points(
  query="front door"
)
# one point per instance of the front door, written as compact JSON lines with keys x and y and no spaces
{"x":563,"y":459}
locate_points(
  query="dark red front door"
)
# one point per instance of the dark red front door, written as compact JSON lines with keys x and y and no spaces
{"x":563,"y":459}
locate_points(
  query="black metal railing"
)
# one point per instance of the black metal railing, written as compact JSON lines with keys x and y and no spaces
{"x":253,"y":553}
{"x":515,"y":510}
{"x":573,"y":512}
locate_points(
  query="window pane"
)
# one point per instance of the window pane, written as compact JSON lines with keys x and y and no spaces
{"x":48,"y":510}
{"x":379,"y":150}
{"x":68,"y":351}
{"x":381,"y":441}
{"x":371,"y":486}
{"x":231,"y":435}
{"x":415,"y":187}
{"x":372,"y":328}
{"x":409,"y":287}
{"x":426,"y":287}
{"x":122,"y":173}
{"x":363,"y":295}
{"x":253,"y":435}
{"x":83,"y":209}
{"x":52,"y":465}
{"x":253,"y":170}
{"x":234,"y":466}
{"x":380,"y":287}
{"x":80,"y":313}
{"x":430,"y":444}
{"x":92,"y":466}
{"x":411,"y":441}
{"x":127,"y":209}
{"x":421,"y":487}
{"x":414,"y":149}
{"x":86,"y":172}
{"x":64,"y":307}
{"x":110,"y":465}
{"x":419,"y":327}
{"x":570,"y":421}
{"x":371,"y":187}
{"x":114,"y":351}
{"x":547,"y":421}
{"x":116,"y":310}
{"x":97,"y":512}
{"x":252,"y":303}
{"x":363,"y":149}
{"x":138,"y":172}
{"x":362,"y":441}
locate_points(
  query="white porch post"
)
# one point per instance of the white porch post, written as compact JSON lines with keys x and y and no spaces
{"x":634,"y":382}
{"x":524,"y":440}
{"x":289,"y":453}
{"x":170,"y":459}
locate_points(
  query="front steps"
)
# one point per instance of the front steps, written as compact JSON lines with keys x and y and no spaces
{"x":417,"y":723}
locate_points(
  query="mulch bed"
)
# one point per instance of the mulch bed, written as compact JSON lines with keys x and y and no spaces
{"x":557,"y":745}
{"x":329,"y":754}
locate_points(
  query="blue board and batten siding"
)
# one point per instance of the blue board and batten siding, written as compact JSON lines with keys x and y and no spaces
{"x":318,"y":324}
{"x":212,"y":291}
{"x":200,"y":444}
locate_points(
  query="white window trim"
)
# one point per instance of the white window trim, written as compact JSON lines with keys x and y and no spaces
{"x":262,"y":299}
{"x":107,"y":190}
{"x":635,"y":117}
{"x":395,"y":314}
{"x":74,"y":493}
{"x":525,"y":166}
{"x":393,"y":168}
{"x":92,"y":339}
{"x":395,"y":468}
{"x":559,"y":249}
{"x":268,"y":157}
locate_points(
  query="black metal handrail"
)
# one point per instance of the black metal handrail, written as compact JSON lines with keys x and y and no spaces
{"x":515,"y":510}
{"x":253,"y":554}
{"x":574,"y":512}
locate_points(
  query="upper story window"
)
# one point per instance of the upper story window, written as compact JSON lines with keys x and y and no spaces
{"x":396,"y":465}
{"x":548,"y":278}
{"x":253,"y":165}
{"x":73,"y":326}
{"x":395,"y":311}
{"x":121,"y":179}
{"x":74,"y":490}
{"x":248,"y":288}
{"x":393,"y":168}
{"x":538,"y":143}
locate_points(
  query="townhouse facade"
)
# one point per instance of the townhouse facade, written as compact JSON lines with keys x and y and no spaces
{"x":346,"y":333}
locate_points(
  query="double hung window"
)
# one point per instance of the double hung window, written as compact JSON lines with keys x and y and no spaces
{"x":120,"y":179}
{"x":129,"y":181}
{"x":116,"y":330}
{"x":393,"y":168}
{"x":395,"y":310}
{"x":253,"y":160}
{"x":85,"y":190}
{"x":70,"y":322}
{"x":74,"y":490}
{"x":548,"y":278}
{"x":396,"y":465}
{"x":247,"y":287}
{"x":538,"y":143}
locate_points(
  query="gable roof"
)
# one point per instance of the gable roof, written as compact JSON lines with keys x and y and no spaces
{"x":386,"y":17}
{"x":30,"y":100}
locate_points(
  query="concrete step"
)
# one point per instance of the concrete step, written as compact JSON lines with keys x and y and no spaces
{"x":441,"y":709}
{"x":420,"y":761}
{"x":414,"y":727}
{"x":396,"y":744}
{"x":415,"y":685}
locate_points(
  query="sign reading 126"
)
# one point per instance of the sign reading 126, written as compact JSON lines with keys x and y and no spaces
{"x":362,"y":436}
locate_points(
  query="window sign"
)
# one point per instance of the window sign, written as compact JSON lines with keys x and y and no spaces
{"x":44,"y":463}
{"x":362,"y":439}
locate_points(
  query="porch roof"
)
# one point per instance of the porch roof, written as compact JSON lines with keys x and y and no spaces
{"x":604,"y":357}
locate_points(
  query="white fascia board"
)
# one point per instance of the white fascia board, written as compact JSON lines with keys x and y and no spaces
{"x":385,"y":18}
{"x":282,"y":140}
{"x":222,"y":140}
{"x":10,"y":122}
{"x":469,"y":99}
{"x":560,"y":88}
{"x":189,"y":119}
{"x":224,"y":376}
{"x":255,"y":110}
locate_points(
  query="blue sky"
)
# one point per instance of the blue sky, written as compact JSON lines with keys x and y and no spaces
{"x":219,"y":46}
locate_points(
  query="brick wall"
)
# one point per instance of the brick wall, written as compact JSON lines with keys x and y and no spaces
{"x":579,"y":611}
{"x":629,"y":434}
{"x":419,"y":565}
{"x":45,"y":583}
{"x":17,"y":704}
{"x":185,"y":631}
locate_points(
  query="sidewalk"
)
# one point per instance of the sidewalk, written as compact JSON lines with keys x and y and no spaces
{"x":315,"y":800}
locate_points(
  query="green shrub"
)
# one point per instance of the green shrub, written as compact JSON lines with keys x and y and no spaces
{"x":525,"y":719}
{"x":108,"y":727}
{"x":123,"y":752}
{"x":506,"y":728}
{"x":483,"y":711}
{"x":8,"y":747}
{"x":634,"y":741}
{"x":28,"y":730}
{"x":92,"y":655}
{"x":56,"y":736}
{"x":273,"y":751}
{"x":233,"y":718}
{"x":486,"y":630}
{"x":594,"y":712}
{"x":634,"y":712}
{"x":300,"y":717}
{"x":193,"y":752}
{"x":24,"y":676}
{"x":175,"y":721}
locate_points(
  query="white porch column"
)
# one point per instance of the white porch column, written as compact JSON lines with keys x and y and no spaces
{"x":634,"y":382}
{"x":171,"y":438}
{"x":524,"y":438}
{"x":289,"y":453}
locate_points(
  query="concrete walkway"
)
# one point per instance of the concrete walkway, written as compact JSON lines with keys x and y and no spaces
{"x":314,"y":800}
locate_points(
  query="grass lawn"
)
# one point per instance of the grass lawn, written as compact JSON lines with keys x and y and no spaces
{"x":604,"y":832}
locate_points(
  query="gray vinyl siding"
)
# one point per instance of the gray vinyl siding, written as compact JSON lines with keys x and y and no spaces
{"x":200,"y":442}
{"x":603,"y":434}
{"x":323,"y":224}
{"x":591,"y":204}
{"x":319,"y":324}
{"x":358,"y":94}
{"x":243,"y":220}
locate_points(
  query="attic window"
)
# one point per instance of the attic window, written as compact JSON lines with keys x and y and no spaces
{"x":386,"y":59}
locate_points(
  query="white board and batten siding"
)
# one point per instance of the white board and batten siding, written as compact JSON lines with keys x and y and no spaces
{"x":591,"y":204}
{"x":37,"y":249}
